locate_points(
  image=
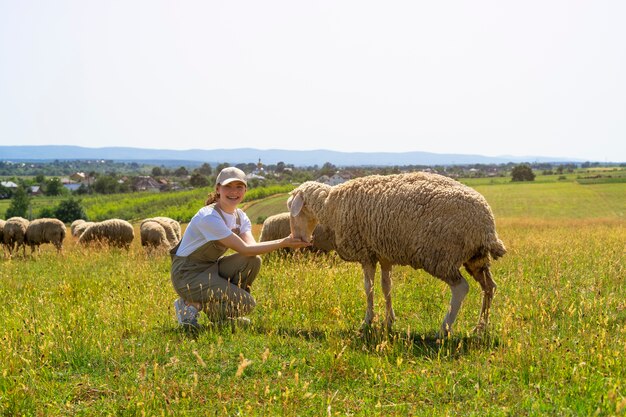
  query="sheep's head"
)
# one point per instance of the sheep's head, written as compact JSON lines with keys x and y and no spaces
{"x":301,"y":219}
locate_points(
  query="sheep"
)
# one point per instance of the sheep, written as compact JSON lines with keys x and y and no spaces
{"x":74,"y":224}
{"x":175,"y":227}
{"x":278,"y":226}
{"x":114,"y":232}
{"x":275,"y":227}
{"x":170,"y":226}
{"x":45,"y":230}
{"x":13,"y":234}
{"x":153,"y":235}
{"x":79,"y":228}
{"x":424,"y":220}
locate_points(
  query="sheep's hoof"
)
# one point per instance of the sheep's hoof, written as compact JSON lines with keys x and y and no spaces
{"x":365,"y":326}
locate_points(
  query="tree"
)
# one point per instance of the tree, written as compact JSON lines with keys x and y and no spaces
{"x":20,"y":202}
{"x":328,"y":169}
{"x":54,"y":187}
{"x":106,"y":184}
{"x":157,"y":172}
{"x":198,"y":180}
{"x":522,"y":172}
{"x":181,"y":172}
{"x":69,"y":210}
{"x":221,"y":167}
{"x":205,"y":169}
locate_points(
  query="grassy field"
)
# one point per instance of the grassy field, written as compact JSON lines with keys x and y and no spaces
{"x":92,"y":332}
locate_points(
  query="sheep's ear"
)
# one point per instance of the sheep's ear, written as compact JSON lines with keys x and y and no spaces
{"x":295,"y":204}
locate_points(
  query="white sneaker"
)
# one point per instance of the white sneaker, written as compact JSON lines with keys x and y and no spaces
{"x":187,"y":315}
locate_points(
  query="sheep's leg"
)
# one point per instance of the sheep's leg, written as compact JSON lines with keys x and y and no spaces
{"x":369,"y":271}
{"x":488,"y":285}
{"x":459,"y":288}
{"x":386,"y":283}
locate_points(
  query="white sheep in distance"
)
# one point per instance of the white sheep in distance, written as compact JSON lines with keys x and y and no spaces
{"x":427,"y":221}
{"x":175,"y":225}
{"x":170,"y":226}
{"x":45,"y":230}
{"x":153,"y":235}
{"x":79,"y":228}
{"x":278,"y":226}
{"x":13,"y":234}
{"x":75,"y":224}
{"x":112,"y":232}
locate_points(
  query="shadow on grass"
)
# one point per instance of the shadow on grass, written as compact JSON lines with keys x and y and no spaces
{"x":372,"y":340}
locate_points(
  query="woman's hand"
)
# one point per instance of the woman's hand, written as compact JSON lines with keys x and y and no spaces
{"x":292,"y":242}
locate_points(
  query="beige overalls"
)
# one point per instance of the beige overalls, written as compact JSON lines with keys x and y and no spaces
{"x":221,"y":283}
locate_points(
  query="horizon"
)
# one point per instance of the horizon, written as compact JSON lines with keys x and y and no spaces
{"x":159,"y":154}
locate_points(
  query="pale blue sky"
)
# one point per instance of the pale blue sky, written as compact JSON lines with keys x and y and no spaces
{"x":480,"y":77}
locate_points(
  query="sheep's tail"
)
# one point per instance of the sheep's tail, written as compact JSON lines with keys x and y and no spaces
{"x":497,"y":249}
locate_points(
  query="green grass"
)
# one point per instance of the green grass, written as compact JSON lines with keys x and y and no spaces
{"x":262,"y":209}
{"x":92,"y":332}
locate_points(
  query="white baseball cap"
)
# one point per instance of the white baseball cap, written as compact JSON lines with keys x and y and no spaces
{"x":230,"y":174}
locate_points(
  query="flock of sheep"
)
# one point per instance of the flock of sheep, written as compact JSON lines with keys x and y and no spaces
{"x":155,"y":232}
{"x":426,"y":221}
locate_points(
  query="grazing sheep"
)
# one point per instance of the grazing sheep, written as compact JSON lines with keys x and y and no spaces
{"x":173,"y":223}
{"x":427,"y":221}
{"x":278,"y":226}
{"x":45,"y":230}
{"x":114,"y":232}
{"x":74,"y":224}
{"x":170,"y":226}
{"x":80,"y":228}
{"x":275,"y":227}
{"x":14,"y":232}
{"x":153,"y":235}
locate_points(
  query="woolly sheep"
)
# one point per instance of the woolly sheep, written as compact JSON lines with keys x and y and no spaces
{"x":173,"y":223}
{"x":45,"y":230}
{"x":278,"y":226}
{"x":170,"y":226}
{"x":13,"y":234}
{"x":80,"y":228}
{"x":275,"y":227}
{"x":153,"y":235}
{"x":74,"y":224}
{"x":114,"y":232}
{"x":424,"y":220}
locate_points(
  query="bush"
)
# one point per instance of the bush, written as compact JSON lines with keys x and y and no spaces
{"x":523,"y":172}
{"x":19,"y":204}
{"x":69,"y":210}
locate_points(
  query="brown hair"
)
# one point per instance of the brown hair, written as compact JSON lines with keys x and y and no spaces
{"x":212,"y":198}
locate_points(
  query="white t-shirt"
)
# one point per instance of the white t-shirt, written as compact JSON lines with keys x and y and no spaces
{"x":206,"y":225}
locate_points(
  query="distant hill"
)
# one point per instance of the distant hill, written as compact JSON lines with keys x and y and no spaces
{"x":268,"y":156}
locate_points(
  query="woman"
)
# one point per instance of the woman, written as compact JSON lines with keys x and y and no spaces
{"x":203,"y":277}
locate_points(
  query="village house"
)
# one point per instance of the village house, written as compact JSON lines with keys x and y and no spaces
{"x":335,"y":179}
{"x":147,"y":183}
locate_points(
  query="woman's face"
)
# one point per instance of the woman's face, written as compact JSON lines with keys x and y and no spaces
{"x":231,"y":193}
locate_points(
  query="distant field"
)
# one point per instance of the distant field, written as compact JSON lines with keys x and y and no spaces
{"x":262,"y":209}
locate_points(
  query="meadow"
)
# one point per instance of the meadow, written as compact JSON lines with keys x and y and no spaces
{"x":92,"y":332}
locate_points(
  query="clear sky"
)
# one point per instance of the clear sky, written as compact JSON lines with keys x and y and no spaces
{"x":544,"y":78}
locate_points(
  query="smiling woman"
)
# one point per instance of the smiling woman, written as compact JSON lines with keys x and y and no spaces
{"x":203,"y":277}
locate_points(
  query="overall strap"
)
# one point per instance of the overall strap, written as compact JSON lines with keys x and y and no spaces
{"x":237,"y":219}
